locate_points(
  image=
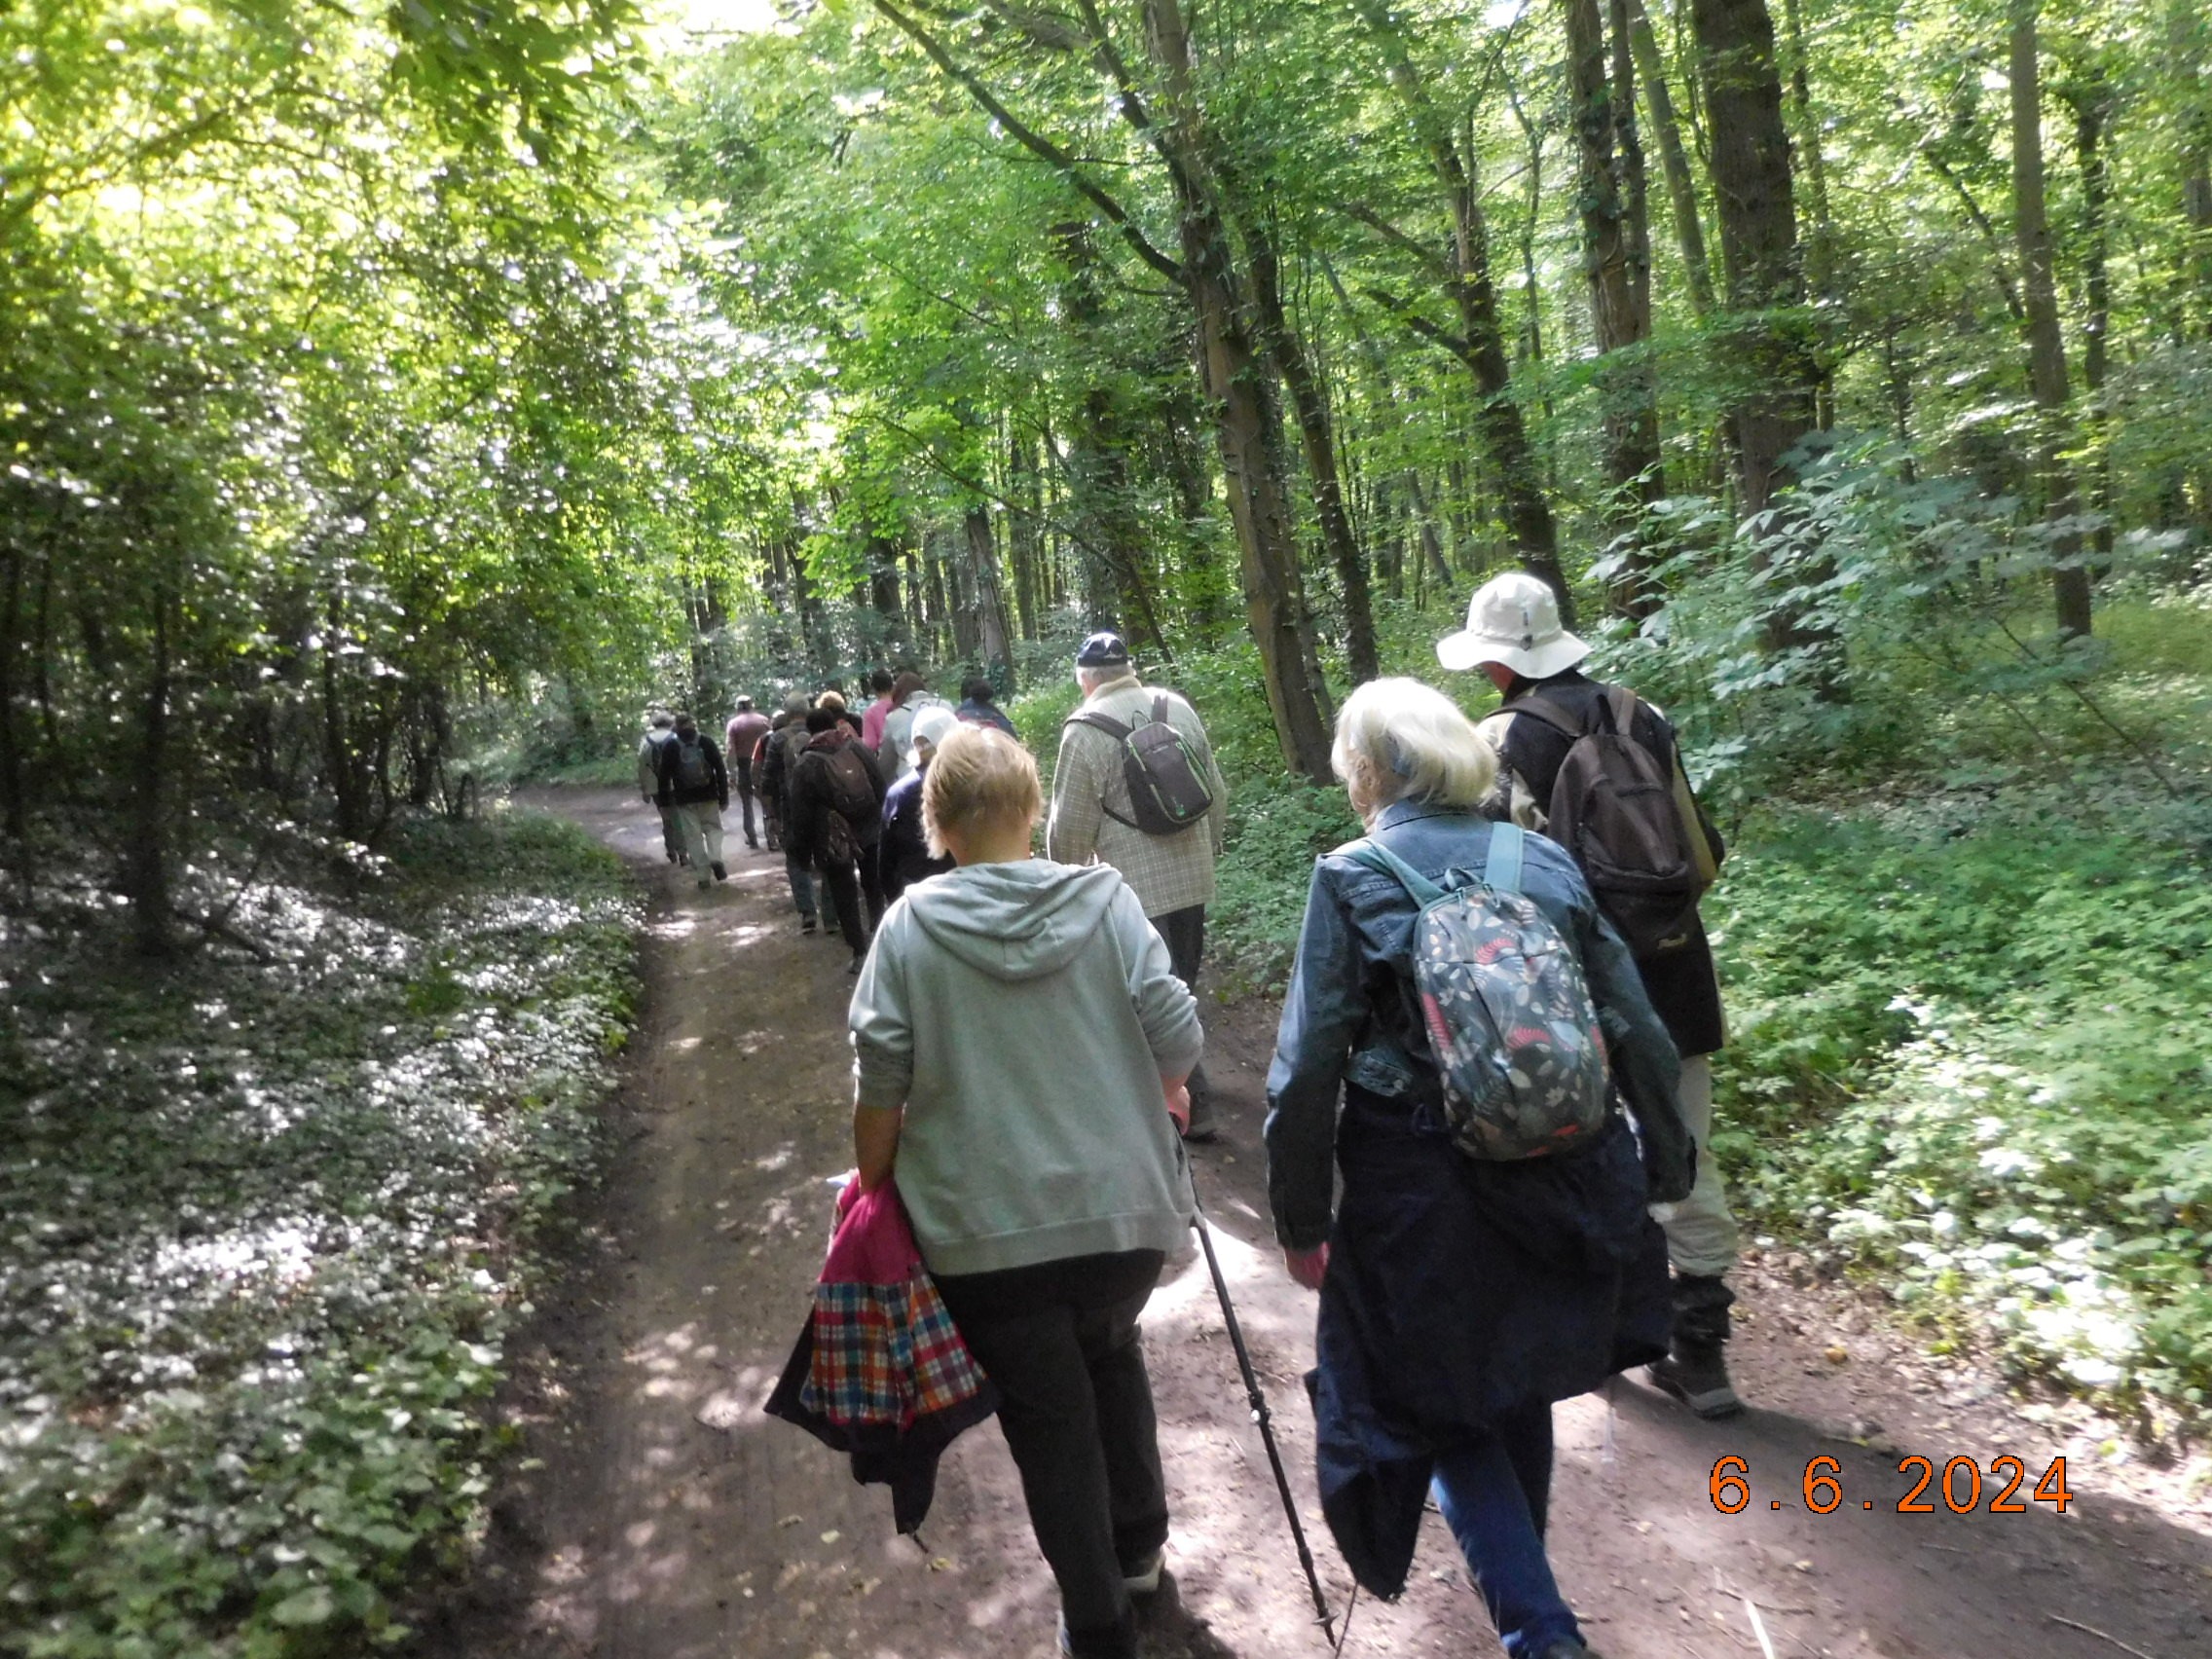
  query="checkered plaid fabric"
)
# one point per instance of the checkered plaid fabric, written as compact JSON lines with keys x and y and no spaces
{"x":1169,"y":873}
{"x":886,"y":1353}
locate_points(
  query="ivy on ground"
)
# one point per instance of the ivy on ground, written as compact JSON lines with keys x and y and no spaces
{"x":268,"y":1223}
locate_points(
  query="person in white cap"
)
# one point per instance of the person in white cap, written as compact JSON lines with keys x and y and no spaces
{"x":1628,"y":814}
{"x":905,"y":851}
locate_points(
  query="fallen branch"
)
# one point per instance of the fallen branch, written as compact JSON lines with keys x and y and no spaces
{"x":2102,"y":1635}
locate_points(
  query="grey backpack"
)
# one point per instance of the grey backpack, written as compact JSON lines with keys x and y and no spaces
{"x":1168,"y":790}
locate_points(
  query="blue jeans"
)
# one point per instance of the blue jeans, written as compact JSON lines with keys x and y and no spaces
{"x":1495,"y":1491}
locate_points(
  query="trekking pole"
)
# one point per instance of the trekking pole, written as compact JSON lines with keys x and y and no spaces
{"x":1259,"y":1402}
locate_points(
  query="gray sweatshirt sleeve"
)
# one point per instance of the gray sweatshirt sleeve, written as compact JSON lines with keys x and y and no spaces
{"x":1165,"y":1007}
{"x":883,"y":1029}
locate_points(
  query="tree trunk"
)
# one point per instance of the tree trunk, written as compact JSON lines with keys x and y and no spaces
{"x":883,"y":591}
{"x":2091,"y":98}
{"x":1112,"y":541}
{"x":1022,"y":487}
{"x":1249,"y":431}
{"x":1480,"y":345}
{"x":1316,"y":442}
{"x":1621,"y":292}
{"x":2190,"y":40}
{"x":1674,"y":160}
{"x":990,"y":598}
{"x":2046,"y":348}
{"x":1758,"y":242}
{"x":15,"y":815}
{"x":145,"y":857}
{"x":1431,"y":537}
{"x":1819,"y":240}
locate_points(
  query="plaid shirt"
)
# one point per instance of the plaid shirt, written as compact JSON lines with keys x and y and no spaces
{"x":1169,"y":873}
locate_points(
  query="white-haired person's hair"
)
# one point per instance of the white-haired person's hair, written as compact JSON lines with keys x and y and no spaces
{"x":1400,"y":740}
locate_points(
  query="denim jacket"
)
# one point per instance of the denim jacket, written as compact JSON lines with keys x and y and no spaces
{"x":1348,"y":1018}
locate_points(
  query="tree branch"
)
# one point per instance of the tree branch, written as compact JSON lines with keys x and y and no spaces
{"x":1037,"y":143}
{"x":1436,"y":334}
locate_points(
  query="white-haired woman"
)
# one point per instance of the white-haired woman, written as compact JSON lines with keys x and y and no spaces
{"x":1459,"y":1298}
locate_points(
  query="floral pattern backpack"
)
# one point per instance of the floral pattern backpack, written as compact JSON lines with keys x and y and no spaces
{"x":1505,"y":1005}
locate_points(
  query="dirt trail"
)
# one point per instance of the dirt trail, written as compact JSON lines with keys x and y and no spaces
{"x":657,"y":1514}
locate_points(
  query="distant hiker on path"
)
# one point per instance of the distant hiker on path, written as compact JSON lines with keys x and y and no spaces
{"x":1045,"y":1211}
{"x":746,"y":728}
{"x":833,"y":698}
{"x":771,"y":794}
{"x":1461,"y":1293}
{"x":874,"y":716}
{"x":695,"y":785}
{"x":905,"y":851}
{"x":783,"y":751}
{"x":1649,"y":853}
{"x":837,"y":819}
{"x":979,"y":706}
{"x":661,"y":730}
{"x":1165,"y":848}
{"x":911,"y":695}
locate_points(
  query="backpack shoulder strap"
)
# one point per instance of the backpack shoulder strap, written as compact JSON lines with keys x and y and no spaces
{"x":1376,"y":856}
{"x":1507,"y":844}
{"x":1621,"y":701}
{"x":1106,"y":723}
{"x":1548,"y":713}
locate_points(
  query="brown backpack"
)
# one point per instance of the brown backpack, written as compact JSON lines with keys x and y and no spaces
{"x":1616,"y":807}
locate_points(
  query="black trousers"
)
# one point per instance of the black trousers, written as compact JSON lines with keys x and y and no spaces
{"x":1185,"y":932}
{"x":848,"y":886}
{"x":1061,"y":1341}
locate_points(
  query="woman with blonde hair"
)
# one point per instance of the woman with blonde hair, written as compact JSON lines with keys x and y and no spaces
{"x":1460,"y":1295}
{"x":1020,"y":1040}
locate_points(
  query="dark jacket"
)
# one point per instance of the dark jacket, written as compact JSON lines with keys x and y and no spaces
{"x":775,"y":779}
{"x":976,"y":713}
{"x":671,"y":791}
{"x":806,"y":826}
{"x":1457,"y":1289}
{"x":1684,"y":985}
{"x":905,"y":851}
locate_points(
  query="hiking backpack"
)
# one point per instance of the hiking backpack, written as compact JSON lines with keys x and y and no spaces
{"x":1616,"y":808}
{"x":1168,"y":787}
{"x":693,"y":771}
{"x":852,"y":792}
{"x":1507,"y":1006}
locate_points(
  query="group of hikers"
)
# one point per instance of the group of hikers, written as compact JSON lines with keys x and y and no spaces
{"x":1488,"y":1110}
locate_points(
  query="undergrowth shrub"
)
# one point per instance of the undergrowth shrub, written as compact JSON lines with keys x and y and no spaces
{"x":268,"y":1220}
{"x":1972,"y":1055}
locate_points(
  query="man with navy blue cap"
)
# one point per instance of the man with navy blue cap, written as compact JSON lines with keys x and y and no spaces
{"x":1093,"y":816}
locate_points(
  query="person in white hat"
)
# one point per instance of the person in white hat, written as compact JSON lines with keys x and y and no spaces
{"x":1514,"y":636}
{"x":905,"y":848}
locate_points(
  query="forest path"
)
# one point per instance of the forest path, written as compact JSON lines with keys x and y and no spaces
{"x":658,"y":1514}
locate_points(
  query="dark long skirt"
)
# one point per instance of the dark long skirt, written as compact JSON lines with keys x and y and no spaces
{"x":1457,"y":1291}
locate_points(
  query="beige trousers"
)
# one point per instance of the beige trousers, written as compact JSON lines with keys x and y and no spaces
{"x":1701,"y":1234}
{"x":701,"y":821}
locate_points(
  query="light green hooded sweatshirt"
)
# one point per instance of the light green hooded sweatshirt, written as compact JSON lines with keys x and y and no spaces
{"x":1024,"y":1015}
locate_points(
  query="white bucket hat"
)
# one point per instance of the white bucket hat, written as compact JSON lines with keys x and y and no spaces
{"x":1513,"y":619}
{"x":930,"y":727}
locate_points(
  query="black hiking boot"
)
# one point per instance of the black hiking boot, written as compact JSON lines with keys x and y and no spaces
{"x":1568,"y":1648}
{"x":854,"y":965}
{"x":721,"y":873}
{"x":807,"y":924}
{"x":1697,"y":1375}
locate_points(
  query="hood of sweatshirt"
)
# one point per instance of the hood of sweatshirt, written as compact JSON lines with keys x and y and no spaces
{"x":1015,"y":921}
